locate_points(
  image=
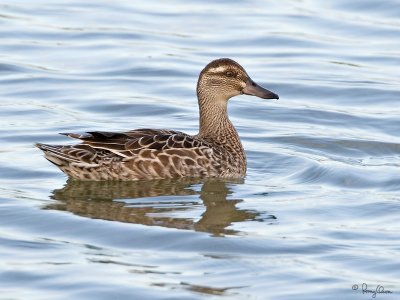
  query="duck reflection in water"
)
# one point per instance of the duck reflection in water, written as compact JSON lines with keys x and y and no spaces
{"x":168,"y":203}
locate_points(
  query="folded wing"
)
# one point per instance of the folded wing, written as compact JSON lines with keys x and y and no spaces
{"x":136,"y":154}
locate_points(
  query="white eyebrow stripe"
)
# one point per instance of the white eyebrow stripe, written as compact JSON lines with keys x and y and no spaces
{"x":218,"y":69}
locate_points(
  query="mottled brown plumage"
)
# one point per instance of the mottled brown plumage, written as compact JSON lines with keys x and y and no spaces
{"x":216,"y":151}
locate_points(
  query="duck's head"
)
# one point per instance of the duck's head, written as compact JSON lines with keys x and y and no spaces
{"x":225,"y":78}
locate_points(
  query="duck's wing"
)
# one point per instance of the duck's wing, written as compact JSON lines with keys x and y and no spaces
{"x":130,"y":143}
{"x":144,"y":151}
{"x":106,"y":135}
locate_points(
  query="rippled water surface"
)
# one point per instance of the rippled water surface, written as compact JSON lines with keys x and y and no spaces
{"x":318,"y":214}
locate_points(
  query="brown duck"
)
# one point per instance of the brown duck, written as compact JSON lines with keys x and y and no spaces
{"x":216,"y":151}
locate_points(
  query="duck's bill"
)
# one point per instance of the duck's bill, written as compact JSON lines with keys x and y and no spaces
{"x":254,"y":89}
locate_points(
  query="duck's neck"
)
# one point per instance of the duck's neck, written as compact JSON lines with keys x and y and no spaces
{"x":215,"y":126}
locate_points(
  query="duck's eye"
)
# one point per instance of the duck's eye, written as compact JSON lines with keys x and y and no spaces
{"x":230,"y":74}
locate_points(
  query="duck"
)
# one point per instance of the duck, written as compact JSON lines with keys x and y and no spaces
{"x":148,"y":154}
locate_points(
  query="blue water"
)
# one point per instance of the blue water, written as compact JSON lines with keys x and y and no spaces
{"x":318,"y":212}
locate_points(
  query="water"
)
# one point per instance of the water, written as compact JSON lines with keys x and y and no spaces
{"x":319,"y":209}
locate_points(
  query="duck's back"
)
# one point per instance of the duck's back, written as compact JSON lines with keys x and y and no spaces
{"x":136,"y":155}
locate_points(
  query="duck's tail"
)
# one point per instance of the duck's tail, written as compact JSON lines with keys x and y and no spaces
{"x":55,"y":155}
